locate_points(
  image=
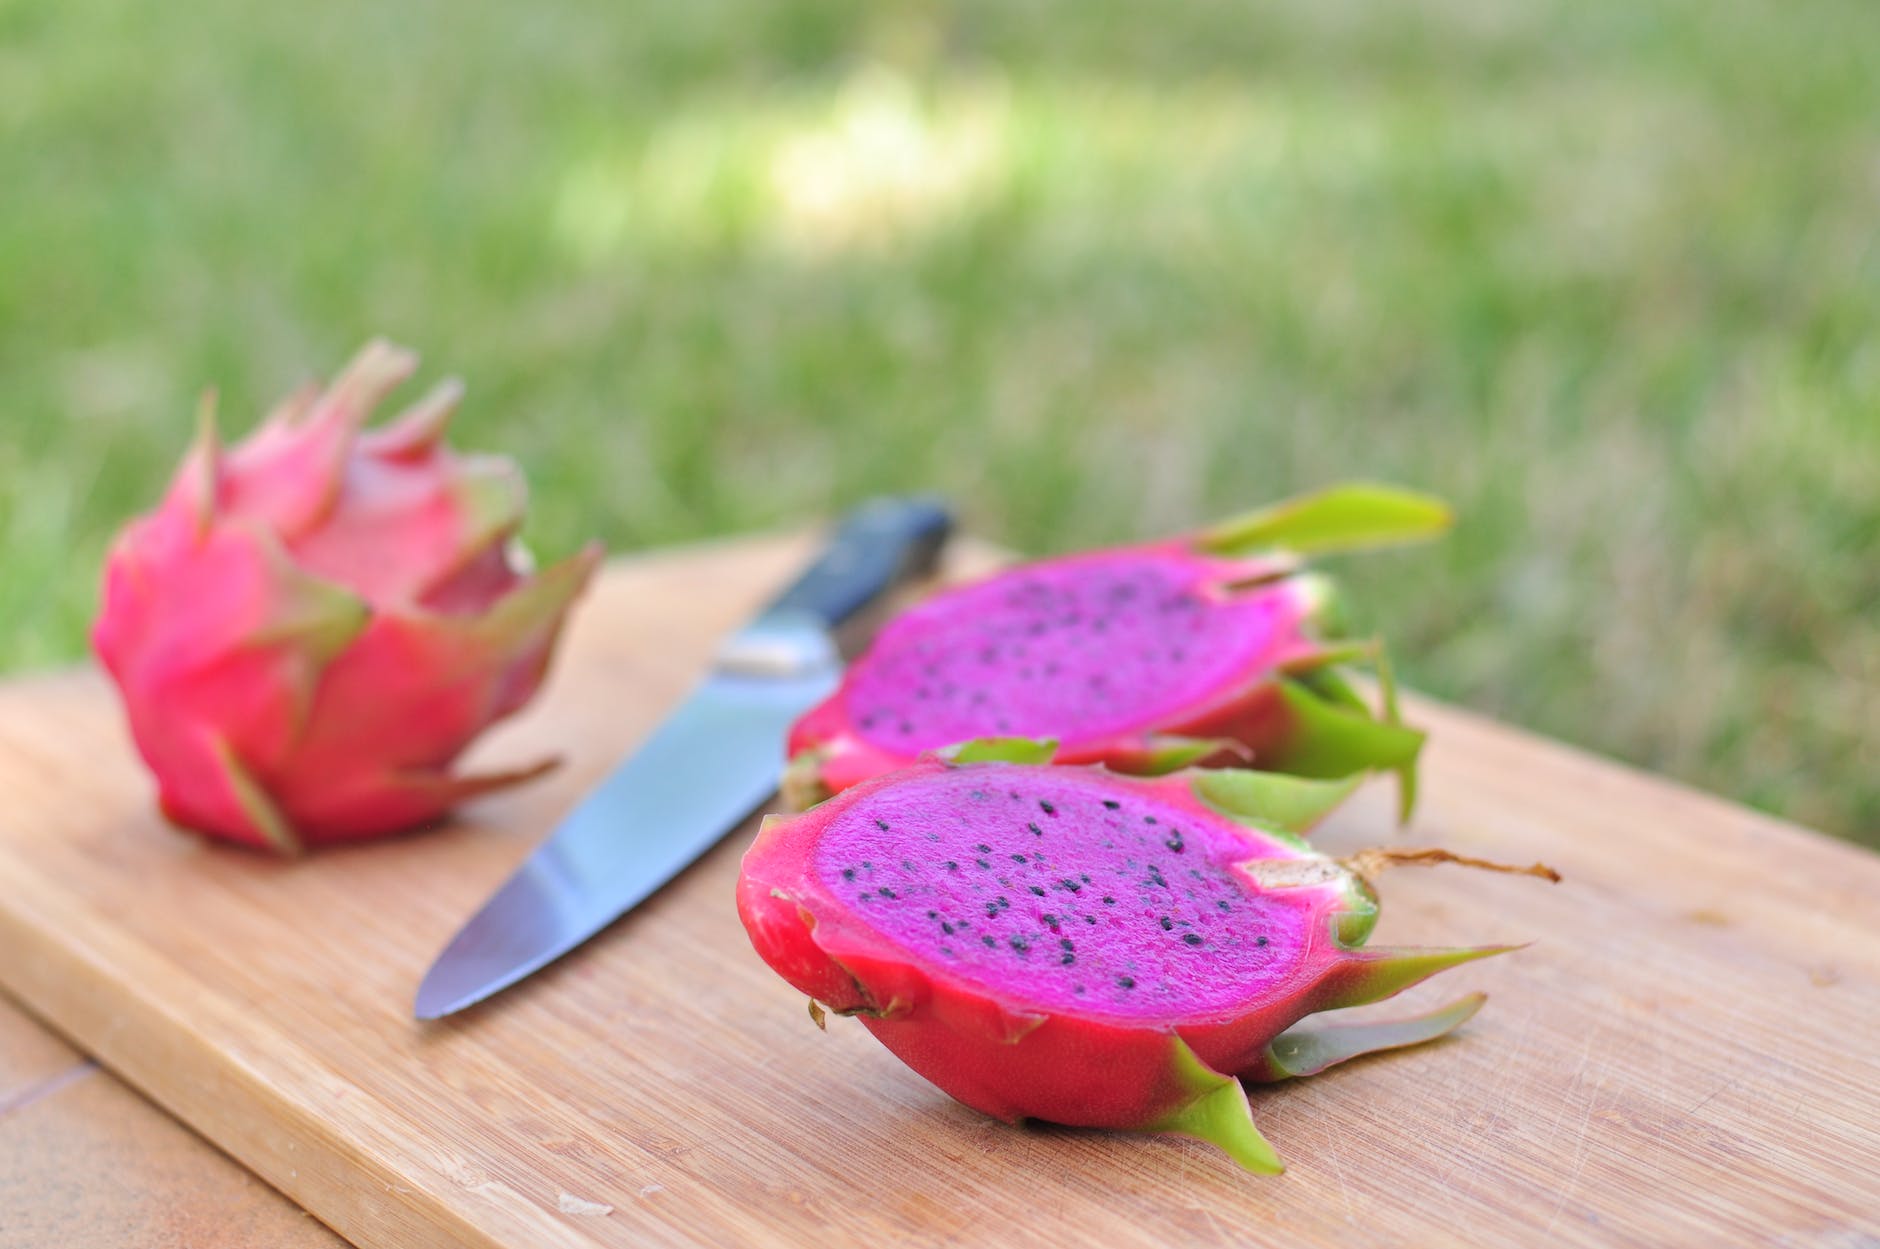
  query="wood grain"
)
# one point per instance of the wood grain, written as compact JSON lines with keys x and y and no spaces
{"x":1686,"y":1054}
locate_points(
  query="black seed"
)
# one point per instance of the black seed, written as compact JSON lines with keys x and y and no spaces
{"x":1035,"y":830}
{"x":1046,"y":807}
{"x":882,"y":825}
{"x":992,"y":910}
{"x":1112,"y":803}
{"x":952,"y":866}
{"x":1090,"y":919}
{"x":984,"y":866}
{"x":1065,"y":944}
{"x":1225,"y":905}
{"x":867,"y":865}
{"x":886,"y":892}
{"x":1259,"y":940}
{"x":1050,"y":921}
{"x":1108,"y":900}
{"x":1174,"y":841}
{"x":1020,"y":945}
{"x":1068,"y":960}
{"x":1127,"y":982}
{"x":1019,"y":858}
{"x":1003,"y":904}
{"x":933,"y":915}
{"x":1071,"y":885}
{"x":1191,"y":938}
{"x":1148,"y":819}
{"x":946,"y":928}
{"x":991,"y":943}
{"x":1167,"y":923}
{"x":983,"y":848}
{"x":1038,"y":889}
{"x":907,"y":865}
{"x":848,"y":873}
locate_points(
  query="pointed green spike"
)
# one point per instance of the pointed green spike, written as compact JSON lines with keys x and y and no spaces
{"x":253,"y":799}
{"x":1168,"y":752}
{"x":291,"y":410}
{"x":1219,"y":1114}
{"x":1002,"y":750}
{"x":1331,"y":684}
{"x":1318,"y":673}
{"x":447,"y":790}
{"x":1341,"y":518}
{"x":1329,"y":658}
{"x":1329,"y":739}
{"x":321,"y":617}
{"x":1272,"y":798}
{"x":1309,"y":1048}
{"x":801,"y":786}
{"x":490,"y":499}
{"x":1393,"y":714}
{"x":1372,"y":975}
{"x":205,"y":465}
{"x":376,"y":371}
{"x":418,"y":429}
{"x":539,"y":601}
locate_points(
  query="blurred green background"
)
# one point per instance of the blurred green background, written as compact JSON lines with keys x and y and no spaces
{"x":1606,"y":273}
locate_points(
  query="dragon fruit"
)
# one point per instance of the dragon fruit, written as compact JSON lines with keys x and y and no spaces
{"x":1213,"y":648}
{"x":315,"y":622}
{"x":1085,"y":947}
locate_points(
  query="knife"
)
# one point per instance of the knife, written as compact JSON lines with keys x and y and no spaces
{"x":702,"y":772}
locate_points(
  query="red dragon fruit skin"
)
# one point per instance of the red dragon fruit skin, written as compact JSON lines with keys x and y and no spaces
{"x":1085,"y":947}
{"x":316,"y":622}
{"x":1207,"y":649}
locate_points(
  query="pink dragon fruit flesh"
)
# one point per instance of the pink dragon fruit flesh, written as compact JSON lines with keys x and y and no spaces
{"x":316,"y":621}
{"x":1088,"y":948}
{"x":1212,"y":648}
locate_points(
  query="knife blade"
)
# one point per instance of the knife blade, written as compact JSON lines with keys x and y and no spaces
{"x":706,"y":768}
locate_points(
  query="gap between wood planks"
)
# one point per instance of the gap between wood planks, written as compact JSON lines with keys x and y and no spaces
{"x":45,"y":1088}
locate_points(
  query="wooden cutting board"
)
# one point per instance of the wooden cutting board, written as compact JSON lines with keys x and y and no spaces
{"x":1686,"y":1054}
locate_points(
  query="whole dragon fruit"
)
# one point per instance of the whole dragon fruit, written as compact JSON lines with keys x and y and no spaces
{"x":1088,"y":948}
{"x":1201,"y":649}
{"x":316,"y":621}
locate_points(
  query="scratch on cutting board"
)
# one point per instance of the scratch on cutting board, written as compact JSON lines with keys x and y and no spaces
{"x":571,"y":1204}
{"x":1711,"y":1096}
{"x":1572,"y":1185}
{"x":1338,"y":1169}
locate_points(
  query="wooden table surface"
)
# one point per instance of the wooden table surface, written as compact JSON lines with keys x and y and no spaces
{"x":86,"y":1161}
{"x":1686,"y":1055}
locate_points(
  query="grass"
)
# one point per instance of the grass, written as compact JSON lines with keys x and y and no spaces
{"x":1605,"y":273}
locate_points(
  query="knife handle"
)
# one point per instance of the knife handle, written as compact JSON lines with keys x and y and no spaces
{"x":876,"y":546}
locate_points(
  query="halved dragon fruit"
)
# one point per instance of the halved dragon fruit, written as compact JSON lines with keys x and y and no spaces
{"x":1212,"y":648}
{"x":1087,"y":948}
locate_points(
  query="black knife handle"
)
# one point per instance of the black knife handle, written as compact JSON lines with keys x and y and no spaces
{"x":879,"y":544}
